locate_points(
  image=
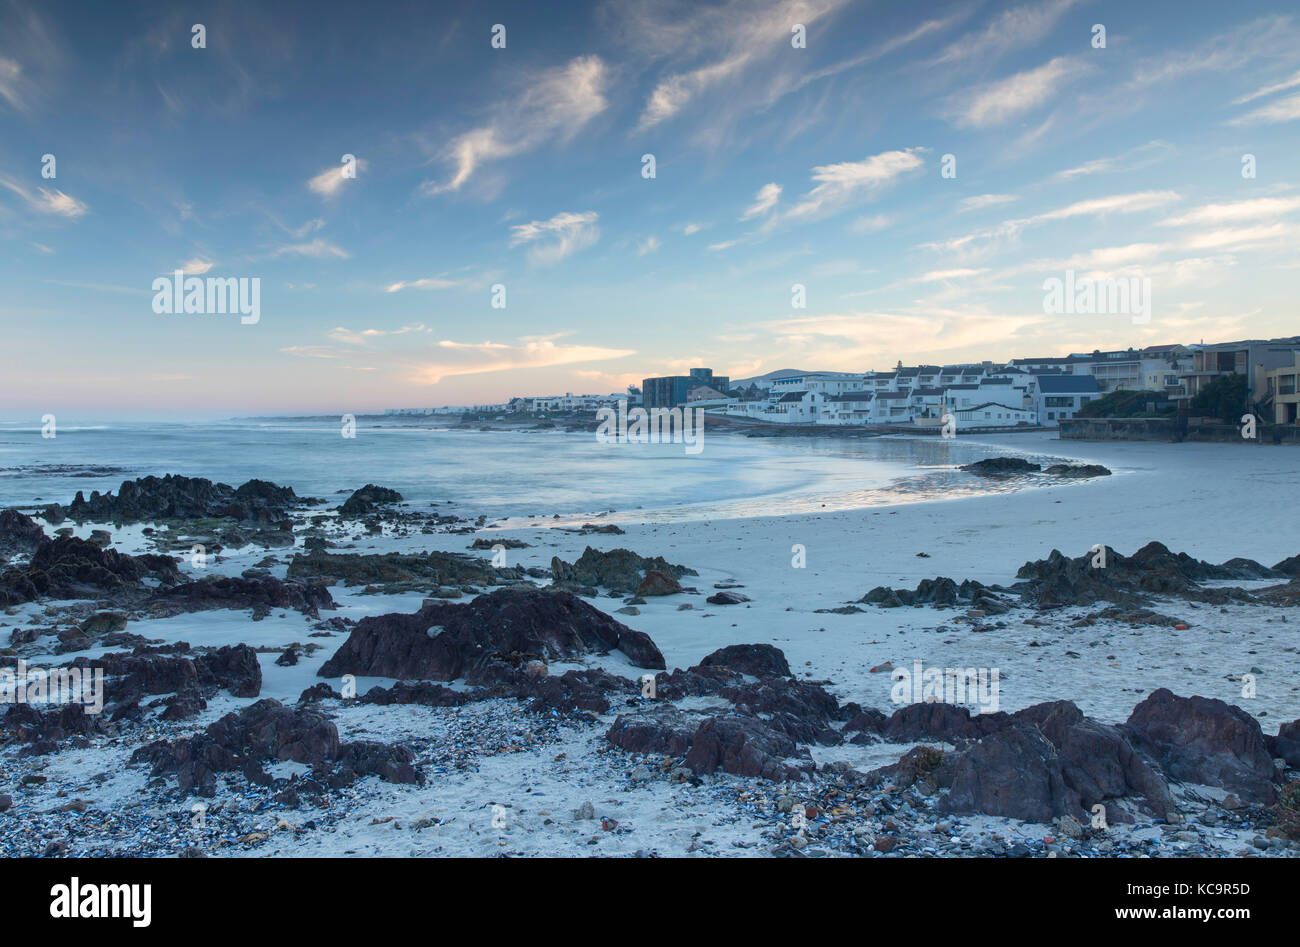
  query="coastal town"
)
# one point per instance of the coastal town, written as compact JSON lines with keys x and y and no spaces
{"x":1033,"y":392}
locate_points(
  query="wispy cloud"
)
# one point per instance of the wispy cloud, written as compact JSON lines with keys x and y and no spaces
{"x":1260,"y":208}
{"x":740,"y":33}
{"x":1001,"y":101}
{"x":319,"y":248}
{"x":429,"y":282}
{"x":48,"y":200}
{"x":1275,"y":113}
{"x":1012,"y":29}
{"x":980,"y":201}
{"x":364,"y":336}
{"x":462,"y":358}
{"x":10,"y":79}
{"x":648,"y":245}
{"x":330,"y":181}
{"x":1289,"y":83}
{"x":764,"y":201}
{"x":840,"y":185}
{"x":870,"y":223}
{"x":195,"y":267}
{"x":554,"y":239}
{"x":1098,"y":206}
{"x":555,"y":106}
{"x":1131,"y":160}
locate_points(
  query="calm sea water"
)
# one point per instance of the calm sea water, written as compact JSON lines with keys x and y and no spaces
{"x":500,"y":474}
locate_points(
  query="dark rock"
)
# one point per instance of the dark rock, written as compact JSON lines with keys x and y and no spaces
{"x":658,"y":583}
{"x":800,"y":709}
{"x":223,"y":591}
{"x":726,"y":597}
{"x":184,"y":706}
{"x":149,"y":670}
{"x":67,"y":567}
{"x":1286,"y":745}
{"x":618,"y":570}
{"x":488,"y":544}
{"x":938,"y":720}
{"x":1289,"y":566}
{"x":662,"y":729}
{"x":424,"y":693}
{"x":318,"y":692}
{"x":19,"y":533}
{"x":27,"y":724}
{"x":367,"y":500}
{"x":390,"y":763}
{"x":744,"y":746}
{"x":444,"y":640}
{"x":1204,"y":740}
{"x":288,"y":659}
{"x":1001,"y":467}
{"x":267,"y":730}
{"x":103,"y":623}
{"x":757,"y":660}
{"x":416,"y":570}
{"x":1077,"y":471}
{"x":940,"y":592}
{"x":174,"y":497}
{"x":1128,"y":580}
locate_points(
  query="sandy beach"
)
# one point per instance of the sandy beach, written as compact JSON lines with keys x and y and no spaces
{"x":1213,"y":499}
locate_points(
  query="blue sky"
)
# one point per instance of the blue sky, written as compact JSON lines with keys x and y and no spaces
{"x":522,"y":166}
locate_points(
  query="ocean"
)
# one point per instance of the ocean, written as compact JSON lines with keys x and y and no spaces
{"x":501,"y":474}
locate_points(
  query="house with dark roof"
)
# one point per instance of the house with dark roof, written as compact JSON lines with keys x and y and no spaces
{"x":1060,"y":396}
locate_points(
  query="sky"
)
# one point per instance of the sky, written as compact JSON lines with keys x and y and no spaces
{"x":911,"y":173}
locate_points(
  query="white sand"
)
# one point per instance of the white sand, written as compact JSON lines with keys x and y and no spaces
{"x":1211,"y":501}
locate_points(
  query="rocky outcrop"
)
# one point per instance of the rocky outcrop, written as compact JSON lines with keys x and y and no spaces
{"x":658,"y":583}
{"x":1001,"y":467}
{"x":619,"y":570}
{"x":147,"y":671}
{"x":259,"y":594}
{"x":1204,"y":740}
{"x":1289,"y":566}
{"x":1286,"y":745}
{"x":1128,"y":580}
{"x":941,"y":592}
{"x":42,"y":730}
{"x":368,"y":500}
{"x":267,"y":730}
{"x":662,"y":729}
{"x":397,"y":570}
{"x":67,"y":567}
{"x":756,"y":660}
{"x":176,"y":497}
{"x":1039,"y":764}
{"x":1077,"y":471}
{"x":19,"y":533}
{"x":444,"y":641}
{"x":745,"y":746}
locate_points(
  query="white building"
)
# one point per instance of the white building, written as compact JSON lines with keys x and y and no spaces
{"x":852,"y":407}
{"x":992,"y":414}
